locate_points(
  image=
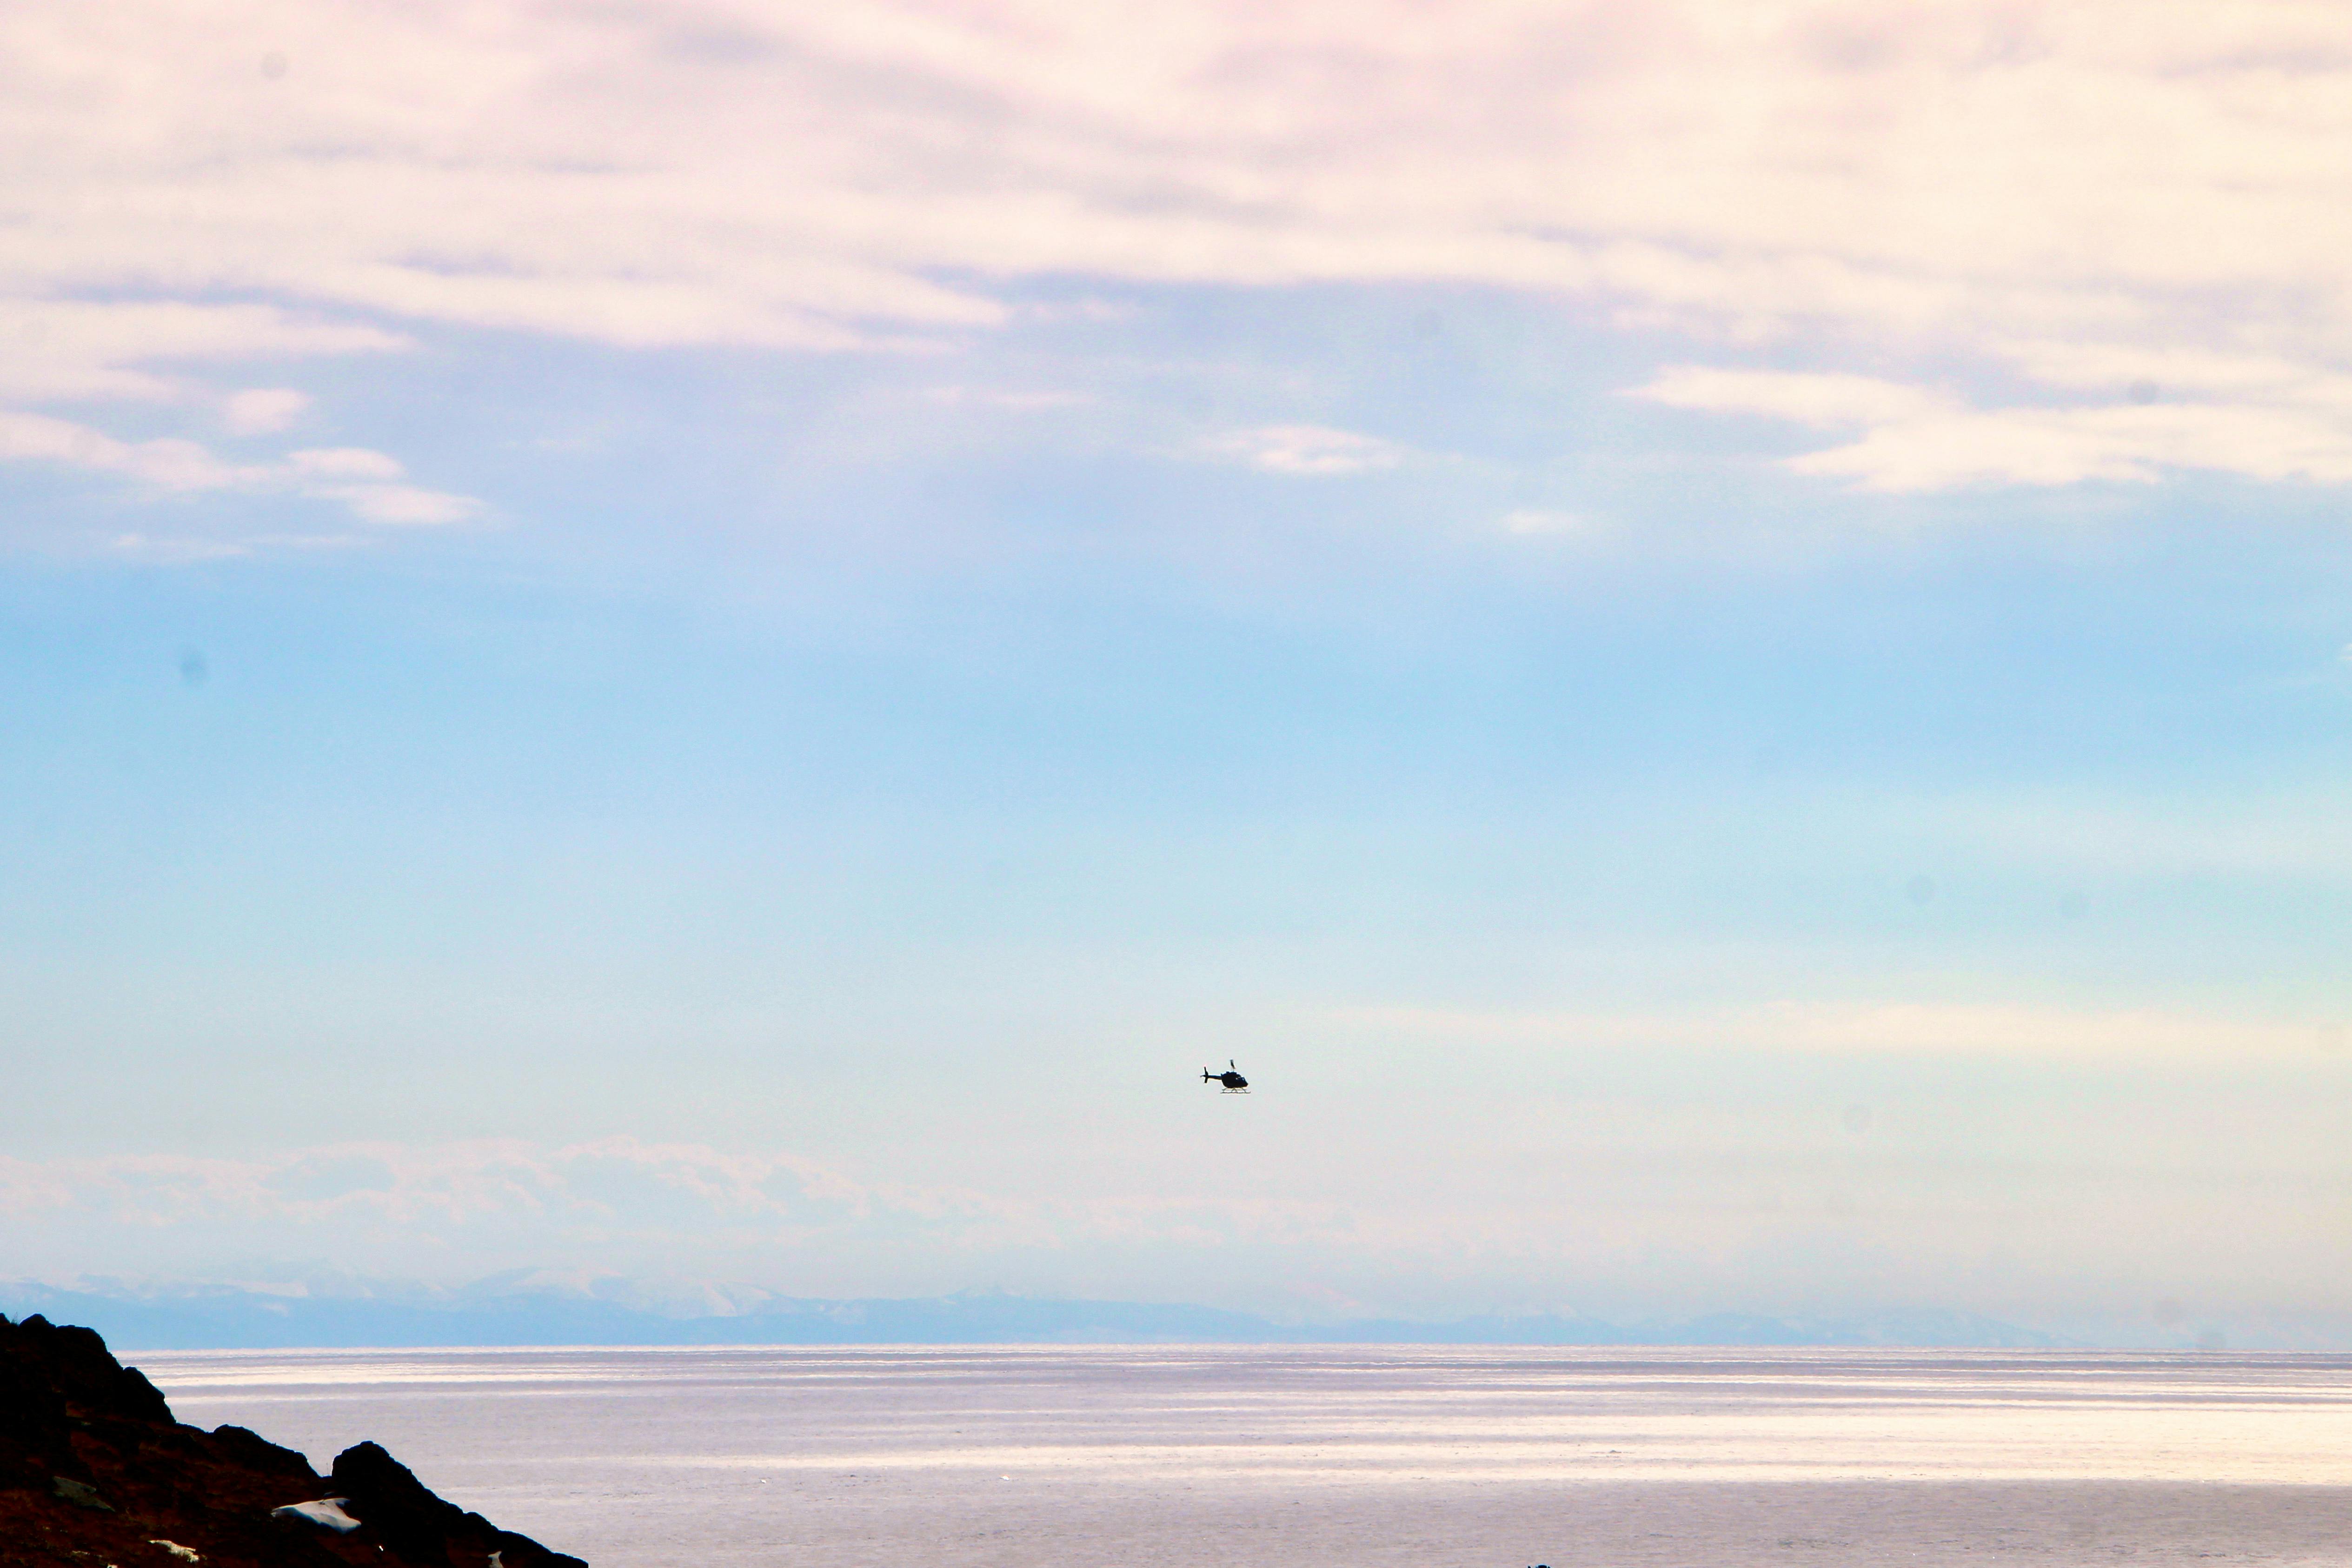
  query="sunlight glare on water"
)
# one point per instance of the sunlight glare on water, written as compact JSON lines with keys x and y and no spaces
{"x":1386,"y":1455}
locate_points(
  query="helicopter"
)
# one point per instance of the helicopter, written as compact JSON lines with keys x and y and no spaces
{"x":1231,"y":1078}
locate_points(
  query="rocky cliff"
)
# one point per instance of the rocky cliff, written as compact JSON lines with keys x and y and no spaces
{"x":95,"y":1473}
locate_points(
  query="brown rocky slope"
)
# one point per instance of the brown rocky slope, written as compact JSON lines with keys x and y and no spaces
{"x":95,"y":1473}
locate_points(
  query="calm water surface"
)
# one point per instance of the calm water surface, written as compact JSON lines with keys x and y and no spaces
{"x":1194,"y":1456}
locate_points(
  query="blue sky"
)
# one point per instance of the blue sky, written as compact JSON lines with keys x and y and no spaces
{"x":721,"y":642}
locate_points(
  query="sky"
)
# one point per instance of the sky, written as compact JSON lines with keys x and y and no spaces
{"x":726,"y":642}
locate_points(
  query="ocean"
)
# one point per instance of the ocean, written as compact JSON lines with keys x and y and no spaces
{"x":1190,"y":1457}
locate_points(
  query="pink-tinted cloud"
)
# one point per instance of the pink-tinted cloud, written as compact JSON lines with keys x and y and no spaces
{"x":367,"y":482}
{"x":2052,"y":186}
{"x":1310,"y":450}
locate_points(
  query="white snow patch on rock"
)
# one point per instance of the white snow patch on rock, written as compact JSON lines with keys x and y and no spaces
{"x":327,"y":1513}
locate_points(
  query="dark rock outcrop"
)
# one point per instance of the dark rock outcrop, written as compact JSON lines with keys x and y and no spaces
{"x":95,"y":1471}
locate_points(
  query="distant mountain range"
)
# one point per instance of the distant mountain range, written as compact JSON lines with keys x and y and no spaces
{"x":534,"y":1310}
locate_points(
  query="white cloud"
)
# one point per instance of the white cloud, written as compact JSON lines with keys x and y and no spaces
{"x":344,"y":463}
{"x":56,"y":348}
{"x":168,"y":465}
{"x":1900,"y":1027}
{"x":490,"y":1191}
{"x":2066,"y":445}
{"x":355,"y":477}
{"x":2080,"y":188}
{"x":1310,"y":449}
{"x":2284,"y":425}
{"x":263,"y":410}
{"x":1808,"y":399}
{"x":1662,"y":1201}
{"x":400,"y":505}
{"x":2127,"y":1036}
